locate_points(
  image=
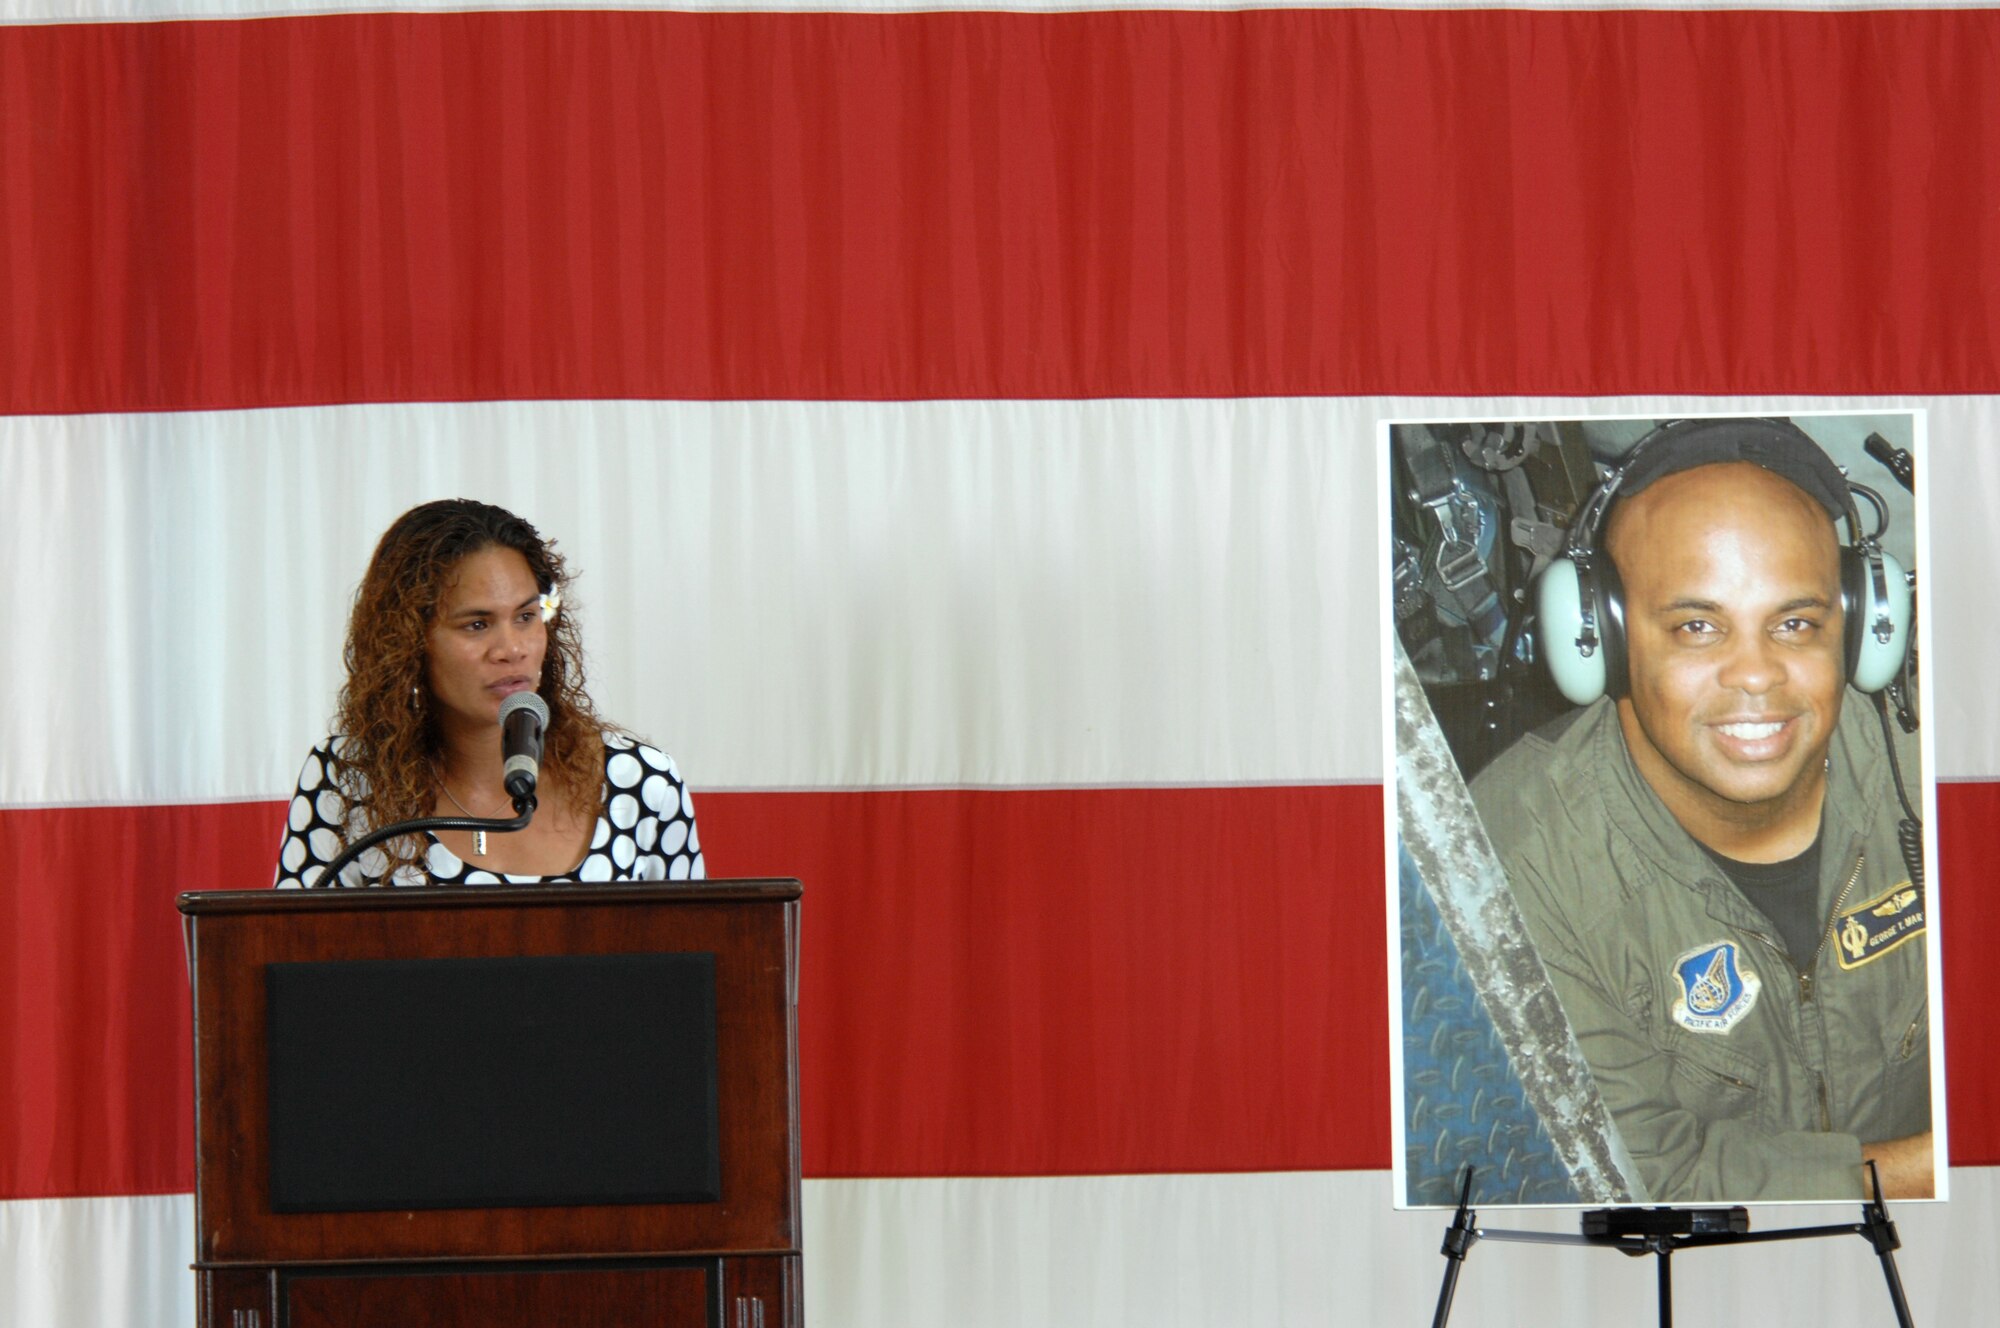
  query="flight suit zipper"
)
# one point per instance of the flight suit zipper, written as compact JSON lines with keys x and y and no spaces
{"x":1826,"y":934}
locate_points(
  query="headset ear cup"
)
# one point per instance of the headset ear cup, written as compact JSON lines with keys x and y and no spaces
{"x":1872,"y":663}
{"x":1559,"y":605}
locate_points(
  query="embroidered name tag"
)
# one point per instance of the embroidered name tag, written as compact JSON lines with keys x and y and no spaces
{"x":1717,"y":988}
{"x":1868,"y":931}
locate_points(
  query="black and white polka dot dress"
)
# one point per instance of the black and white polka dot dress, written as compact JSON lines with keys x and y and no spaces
{"x":645,"y":831}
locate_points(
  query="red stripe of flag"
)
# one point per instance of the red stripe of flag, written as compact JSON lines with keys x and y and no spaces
{"x":673,"y":205}
{"x":1064,"y":982}
{"x":993,"y":983}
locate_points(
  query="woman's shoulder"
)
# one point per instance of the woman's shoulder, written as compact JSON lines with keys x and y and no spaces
{"x":321,"y":768}
{"x":649,"y":810}
{"x":319,"y":818}
{"x":636,"y":769}
{"x":327,"y":767}
{"x":630,"y":755}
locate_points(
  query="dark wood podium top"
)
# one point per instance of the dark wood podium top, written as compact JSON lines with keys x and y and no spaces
{"x":750,"y":928}
{"x":202,"y":903}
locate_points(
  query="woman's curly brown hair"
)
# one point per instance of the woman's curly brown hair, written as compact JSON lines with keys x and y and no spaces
{"x":387,"y":766}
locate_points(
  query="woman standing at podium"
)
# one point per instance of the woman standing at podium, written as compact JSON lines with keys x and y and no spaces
{"x":461,"y":607}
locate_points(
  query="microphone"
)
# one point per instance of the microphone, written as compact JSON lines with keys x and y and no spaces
{"x":1897,"y":459}
{"x":523,"y":717}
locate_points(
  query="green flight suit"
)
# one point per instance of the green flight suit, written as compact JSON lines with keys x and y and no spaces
{"x":1732,"y":1075}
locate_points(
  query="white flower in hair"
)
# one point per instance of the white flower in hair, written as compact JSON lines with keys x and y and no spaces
{"x":550,"y":603}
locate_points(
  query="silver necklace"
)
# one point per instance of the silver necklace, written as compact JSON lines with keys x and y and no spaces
{"x":478,"y":836}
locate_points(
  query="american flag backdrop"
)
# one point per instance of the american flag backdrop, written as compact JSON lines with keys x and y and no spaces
{"x":963,"y":423}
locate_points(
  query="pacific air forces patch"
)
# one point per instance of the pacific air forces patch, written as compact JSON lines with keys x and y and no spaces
{"x":1716,"y":988}
{"x":1868,"y":931}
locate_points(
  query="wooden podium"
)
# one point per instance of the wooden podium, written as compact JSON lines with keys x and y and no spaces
{"x":496,"y":1106}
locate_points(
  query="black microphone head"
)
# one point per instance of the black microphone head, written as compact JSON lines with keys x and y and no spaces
{"x":524,"y":718}
{"x":528,"y":701}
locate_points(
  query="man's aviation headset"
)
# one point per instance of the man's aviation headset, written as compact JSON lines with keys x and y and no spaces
{"x":1580,"y":601}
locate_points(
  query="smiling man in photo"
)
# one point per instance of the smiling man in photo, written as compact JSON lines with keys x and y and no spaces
{"x":1712,"y":853}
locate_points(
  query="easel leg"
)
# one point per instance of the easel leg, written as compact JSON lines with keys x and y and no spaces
{"x":1896,"y":1297}
{"x":1664,"y":1253}
{"x":1459,"y":1238}
{"x":1881,"y":1233}
{"x":1445,"y":1293}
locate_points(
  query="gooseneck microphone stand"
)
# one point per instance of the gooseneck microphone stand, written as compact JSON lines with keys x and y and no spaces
{"x":524,"y":809}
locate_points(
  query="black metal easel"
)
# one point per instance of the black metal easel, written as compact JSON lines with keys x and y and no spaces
{"x":1661,"y":1231}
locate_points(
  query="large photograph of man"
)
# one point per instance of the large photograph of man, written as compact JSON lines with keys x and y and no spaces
{"x":1676,"y":672}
